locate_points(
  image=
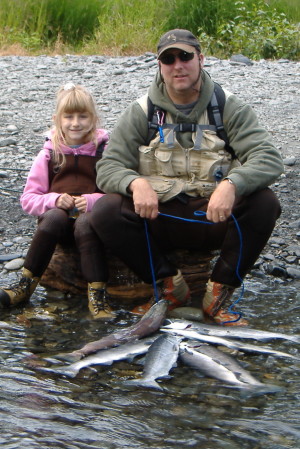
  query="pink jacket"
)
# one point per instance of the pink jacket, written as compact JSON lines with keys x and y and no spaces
{"x":36,"y":198}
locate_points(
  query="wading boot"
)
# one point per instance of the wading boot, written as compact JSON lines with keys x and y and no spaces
{"x":215,"y":304}
{"x":98,"y":301}
{"x":173,"y":289}
{"x":19,"y":292}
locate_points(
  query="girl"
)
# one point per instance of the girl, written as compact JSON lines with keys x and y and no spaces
{"x":61,"y":190}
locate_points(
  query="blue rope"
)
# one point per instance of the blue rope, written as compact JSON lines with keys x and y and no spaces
{"x":237,"y":270}
{"x":151,"y":261}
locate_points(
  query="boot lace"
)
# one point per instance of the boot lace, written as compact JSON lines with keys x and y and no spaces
{"x":21,"y":287}
{"x":99,"y":300}
{"x":222,"y":301}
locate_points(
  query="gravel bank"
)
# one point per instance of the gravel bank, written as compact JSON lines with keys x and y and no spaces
{"x":26,"y":105}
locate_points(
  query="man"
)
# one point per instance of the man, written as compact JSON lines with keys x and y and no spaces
{"x":184,"y":169}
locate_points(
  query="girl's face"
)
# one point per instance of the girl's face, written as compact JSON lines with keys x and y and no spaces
{"x":76,"y":127}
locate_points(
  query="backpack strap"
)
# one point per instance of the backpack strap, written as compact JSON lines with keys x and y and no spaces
{"x":154,"y":114}
{"x":215,"y":111}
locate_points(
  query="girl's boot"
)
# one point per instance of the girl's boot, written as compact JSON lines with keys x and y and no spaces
{"x":19,"y":292}
{"x":98,"y":300}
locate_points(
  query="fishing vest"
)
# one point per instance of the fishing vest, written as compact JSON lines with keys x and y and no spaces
{"x":172,"y":169}
{"x":77,"y":176}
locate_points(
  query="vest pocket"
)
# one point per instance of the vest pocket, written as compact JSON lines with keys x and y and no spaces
{"x":164,"y":163}
{"x":211,"y":142}
{"x":146,"y":160}
{"x":166,"y":189}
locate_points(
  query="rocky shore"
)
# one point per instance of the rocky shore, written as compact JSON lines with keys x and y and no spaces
{"x":28,"y":87}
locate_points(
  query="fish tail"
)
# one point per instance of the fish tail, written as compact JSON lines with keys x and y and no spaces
{"x":66,"y":371}
{"x":260,"y":389}
{"x":295,"y":339}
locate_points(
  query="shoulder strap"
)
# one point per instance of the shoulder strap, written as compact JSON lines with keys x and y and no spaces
{"x":152,"y":117}
{"x":100,"y":149}
{"x":215,"y":111}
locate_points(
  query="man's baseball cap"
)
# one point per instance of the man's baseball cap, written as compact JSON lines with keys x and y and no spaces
{"x":178,"y":38}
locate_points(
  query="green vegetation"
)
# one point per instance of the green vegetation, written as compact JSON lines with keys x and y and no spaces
{"x":129,"y":27}
{"x":258,"y":32}
{"x":256,"y":28}
{"x":36,"y":24}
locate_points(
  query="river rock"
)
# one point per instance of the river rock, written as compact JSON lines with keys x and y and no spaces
{"x":15,"y":264}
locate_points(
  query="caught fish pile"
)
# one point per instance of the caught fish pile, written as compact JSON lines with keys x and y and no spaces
{"x":165,"y":342}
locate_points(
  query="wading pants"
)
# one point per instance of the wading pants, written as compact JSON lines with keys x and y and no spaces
{"x":55,"y":226}
{"x":123,"y":232}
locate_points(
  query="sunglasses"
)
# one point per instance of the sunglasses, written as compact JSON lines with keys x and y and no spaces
{"x":170,"y":58}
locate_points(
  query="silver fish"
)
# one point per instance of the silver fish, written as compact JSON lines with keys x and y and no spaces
{"x":194,"y":335}
{"x":160,"y":359}
{"x":231,"y":332}
{"x":126,"y":351}
{"x":14,"y":327}
{"x":147,"y":325}
{"x":216,"y":364}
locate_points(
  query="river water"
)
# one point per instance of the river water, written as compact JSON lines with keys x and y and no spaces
{"x":93,"y":410}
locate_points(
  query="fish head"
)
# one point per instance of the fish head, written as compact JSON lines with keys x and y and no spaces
{"x":158,"y":309}
{"x":179,"y":325}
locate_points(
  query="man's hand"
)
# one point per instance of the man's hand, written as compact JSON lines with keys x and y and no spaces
{"x":144,"y":198}
{"x":221,"y":202}
{"x":65,"y":201}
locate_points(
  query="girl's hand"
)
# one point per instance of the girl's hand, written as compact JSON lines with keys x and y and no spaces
{"x":81,"y":203}
{"x":65,"y":201}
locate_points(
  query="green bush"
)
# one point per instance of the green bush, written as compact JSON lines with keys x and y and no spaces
{"x":252,"y":27}
{"x":203,"y":14}
{"x":259,"y":32}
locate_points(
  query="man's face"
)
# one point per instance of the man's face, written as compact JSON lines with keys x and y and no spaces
{"x":181,"y":76}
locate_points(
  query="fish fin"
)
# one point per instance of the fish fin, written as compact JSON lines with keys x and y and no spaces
{"x":167,"y":322}
{"x":142,"y":383}
{"x":69,"y":356}
{"x":183,"y":347}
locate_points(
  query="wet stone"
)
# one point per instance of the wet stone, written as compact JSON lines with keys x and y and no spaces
{"x":293,"y":272}
{"x":7,"y":257}
{"x":15,"y":264}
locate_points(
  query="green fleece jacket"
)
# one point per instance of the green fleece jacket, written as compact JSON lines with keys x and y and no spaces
{"x":261,"y":163}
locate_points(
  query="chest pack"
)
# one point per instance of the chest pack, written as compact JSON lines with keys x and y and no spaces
{"x":215,"y":111}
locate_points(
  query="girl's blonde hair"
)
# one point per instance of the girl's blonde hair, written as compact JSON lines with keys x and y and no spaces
{"x":69,"y":99}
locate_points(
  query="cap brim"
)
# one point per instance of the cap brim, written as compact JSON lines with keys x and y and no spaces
{"x":184,"y":47}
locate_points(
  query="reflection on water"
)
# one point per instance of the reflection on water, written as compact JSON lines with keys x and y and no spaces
{"x":43,"y":410}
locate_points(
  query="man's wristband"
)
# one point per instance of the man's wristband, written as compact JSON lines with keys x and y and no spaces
{"x":229,"y":180}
